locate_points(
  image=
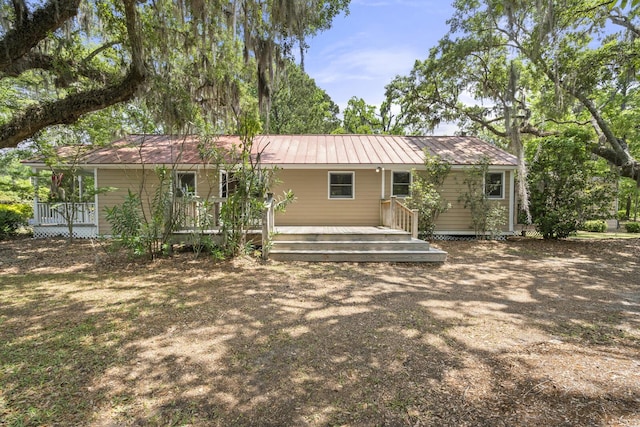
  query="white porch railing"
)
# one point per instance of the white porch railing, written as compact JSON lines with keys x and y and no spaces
{"x":58,"y":213}
{"x":203,"y":214}
{"x":396,"y":215}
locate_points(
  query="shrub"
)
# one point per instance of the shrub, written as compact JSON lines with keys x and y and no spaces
{"x":13,"y":217}
{"x":425,"y":193}
{"x":632,"y":227}
{"x":597,"y":226}
{"x":622,"y":214}
{"x":126,"y":223}
{"x":567,"y":186}
{"x":487,"y":216}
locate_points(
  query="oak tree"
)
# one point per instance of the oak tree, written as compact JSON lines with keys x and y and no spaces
{"x":193,"y":63}
{"x":520,"y":69}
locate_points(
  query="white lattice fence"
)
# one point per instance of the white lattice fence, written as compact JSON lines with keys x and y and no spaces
{"x":79,"y":231}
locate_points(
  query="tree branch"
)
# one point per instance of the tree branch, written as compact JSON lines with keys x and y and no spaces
{"x":567,"y":122}
{"x":629,"y":168}
{"x":67,"y":110}
{"x":100,"y":49}
{"x":21,"y":11}
{"x":625,"y":22}
{"x":135,"y":37}
{"x":30,"y":61}
{"x":20,"y":40}
{"x":66,"y":72}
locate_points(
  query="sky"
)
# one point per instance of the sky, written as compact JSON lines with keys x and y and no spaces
{"x":362,"y":52}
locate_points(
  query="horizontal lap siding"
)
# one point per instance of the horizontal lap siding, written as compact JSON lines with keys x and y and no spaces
{"x":122,"y":180}
{"x":458,"y":218}
{"x":313,"y":206}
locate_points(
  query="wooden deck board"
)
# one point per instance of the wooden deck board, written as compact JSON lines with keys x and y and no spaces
{"x":336,"y":230}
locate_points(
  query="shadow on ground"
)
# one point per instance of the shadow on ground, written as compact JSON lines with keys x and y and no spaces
{"x":510,"y":333}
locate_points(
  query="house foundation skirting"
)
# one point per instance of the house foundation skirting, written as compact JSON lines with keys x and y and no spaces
{"x":465,"y":237}
{"x":84,"y":231}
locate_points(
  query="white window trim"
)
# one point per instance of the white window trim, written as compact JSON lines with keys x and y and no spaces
{"x":220,"y":181}
{"x":195,"y":179}
{"x":502,"y":186}
{"x":353,"y":185}
{"x":393,"y":181}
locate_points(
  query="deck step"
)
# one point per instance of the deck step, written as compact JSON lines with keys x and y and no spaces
{"x":432,"y":255}
{"x":334,"y":237}
{"x":410,"y":245}
{"x":350,"y":244}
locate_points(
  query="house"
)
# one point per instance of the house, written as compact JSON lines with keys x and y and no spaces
{"x":338,"y":180}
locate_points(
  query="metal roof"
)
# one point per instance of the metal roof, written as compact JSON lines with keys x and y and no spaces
{"x":305,"y":150}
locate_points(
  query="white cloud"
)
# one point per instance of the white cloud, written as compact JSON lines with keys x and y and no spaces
{"x":398,"y":3}
{"x":380,"y":39}
{"x":366,"y":64}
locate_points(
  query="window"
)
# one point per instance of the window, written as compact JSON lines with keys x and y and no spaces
{"x":401,"y":184}
{"x":341,"y":185}
{"x":494,"y":185}
{"x":228,"y":184}
{"x":185,"y":184}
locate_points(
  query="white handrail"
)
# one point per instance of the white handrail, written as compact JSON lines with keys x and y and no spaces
{"x":396,"y":215}
{"x":58,"y":213}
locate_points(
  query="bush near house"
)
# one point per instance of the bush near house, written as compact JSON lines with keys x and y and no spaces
{"x":632,"y":227}
{"x":12,"y":217}
{"x":567,"y":186}
{"x":596,"y":226}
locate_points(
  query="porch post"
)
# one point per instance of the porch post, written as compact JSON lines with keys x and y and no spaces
{"x":393,"y":211}
{"x":512,"y":199}
{"x":414,"y":223}
{"x":95,"y":201}
{"x":36,"y":211}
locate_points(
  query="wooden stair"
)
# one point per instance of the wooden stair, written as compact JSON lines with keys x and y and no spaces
{"x":351,"y":244}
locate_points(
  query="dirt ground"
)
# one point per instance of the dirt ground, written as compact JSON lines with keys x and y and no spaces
{"x":516,"y":333}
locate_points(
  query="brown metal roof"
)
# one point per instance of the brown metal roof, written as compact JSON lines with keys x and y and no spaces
{"x":292,"y":150}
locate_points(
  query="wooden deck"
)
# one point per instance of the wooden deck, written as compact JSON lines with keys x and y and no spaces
{"x":343,"y":244}
{"x":351,"y":244}
{"x":284,"y":230}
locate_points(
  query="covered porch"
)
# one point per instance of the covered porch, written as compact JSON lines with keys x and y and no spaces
{"x":57,"y":219}
{"x":395,"y":240}
{"x":69,"y":206}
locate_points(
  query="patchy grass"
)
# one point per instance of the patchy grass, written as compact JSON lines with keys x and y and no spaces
{"x":588,"y":235}
{"x":522,"y":332}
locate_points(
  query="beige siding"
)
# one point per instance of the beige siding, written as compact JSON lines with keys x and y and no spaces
{"x":313,"y":206}
{"x":458,"y":219}
{"x":145,"y":183}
